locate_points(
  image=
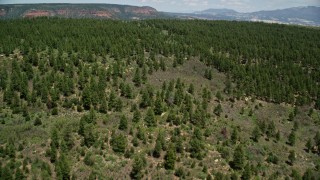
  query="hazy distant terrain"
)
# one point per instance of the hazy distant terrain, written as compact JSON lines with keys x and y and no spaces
{"x":309,"y":16}
{"x":298,"y":15}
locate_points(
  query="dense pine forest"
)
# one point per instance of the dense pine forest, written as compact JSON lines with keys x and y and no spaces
{"x":158,"y":99}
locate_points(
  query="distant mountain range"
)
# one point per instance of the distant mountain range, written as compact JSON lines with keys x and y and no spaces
{"x":106,"y":11}
{"x":309,"y":15}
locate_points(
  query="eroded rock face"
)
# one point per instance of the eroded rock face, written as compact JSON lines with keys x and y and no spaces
{"x":102,"y":14}
{"x":2,"y":12}
{"x":141,"y":10}
{"x":37,"y":13}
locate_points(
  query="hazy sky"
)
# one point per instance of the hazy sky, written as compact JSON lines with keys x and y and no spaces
{"x":191,"y":5}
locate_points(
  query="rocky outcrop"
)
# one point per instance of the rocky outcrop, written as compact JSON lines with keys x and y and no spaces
{"x":37,"y":13}
{"x":2,"y":12}
{"x":141,"y":10}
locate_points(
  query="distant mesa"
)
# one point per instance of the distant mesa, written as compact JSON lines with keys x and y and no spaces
{"x":108,"y":11}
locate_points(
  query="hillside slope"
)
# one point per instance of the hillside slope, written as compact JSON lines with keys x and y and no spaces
{"x":158,"y":99}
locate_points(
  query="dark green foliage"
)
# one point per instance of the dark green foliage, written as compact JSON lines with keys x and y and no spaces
{"x":137,"y":78}
{"x":317,"y":140}
{"x":123,"y":123}
{"x":246,"y":175}
{"x":309,"y":145}
{"x":67,"y":137}
{"x":19,"y":175}
{"x":271,"y":129}
{"x":63,"y":167}
{"x":7,"y":173}
{"x":208,"y":74}
{"x":118,"y":143}
{"x":238,"y":158}
{"x":170,"y":158}
{"x":89,"y":137}
{"x":292,"y":138}
{"x":291,"y":116}
{"x":53,"y":154}
{"x":37,"y":122}
{"x":158,"y":106}
{"x":150,"y":119}
{"x":157,"y":149}
{"x":191,"y":89}
{"x":291,"y":157}
{"x":218,"y":110}
{"x":256,"y":134}
{"x":272,"y":158}
{"x":180,"y":172}
{"x":197,"y":147}
{"x":234,"y":136}
{"x":54,"y":138}
{"x":136,"y":116}
{"x":139,"y":162}
{"x":89,"y":159}
{"x":308,"y":175}
{"x":162,"y":65}
{"x":55,"y":111}
{"x":295,"y":175}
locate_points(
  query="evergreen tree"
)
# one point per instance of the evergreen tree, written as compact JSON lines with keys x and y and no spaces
{"x":197,"y":147}
{"x":139,"y":162}
{"x":86,"y":98}
{"x":162,"y":65}
{"x":317,"y":140}
{"x":136,"y":116}
{"x":218,"y":110}
{"x":295,"y":175}
{"x":118,"y":105}
{"x":89,"y":138}
{"x":170,"y":158}
{"x":308,"y":175}
{"x":7,"y":173}
{"x":144,"y":77}
{"x":238,"y":158}
{"x":292,"y":157}
{"x":53,"y":154}
{"x":150,"y":119}
{"x":137,"y":78}
{"x":145,"y":100}
{"x":123,"y":123}
{"x":37,"y":122}
{"x":158,"y":106}
{"x":309,"y":145}
{"x":118,"y":143}
{"x":292,"y":138}
{"x":19,"y":174}
{"x":256,"y":134}
{"x":234,"y":136}
{"x":54,"y":138}
{"x":278,"y":136}
{"x":246,"y":175}
{"x":157,"y":149}
{"x":63,"y":167}
{"x":191,"y":89}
